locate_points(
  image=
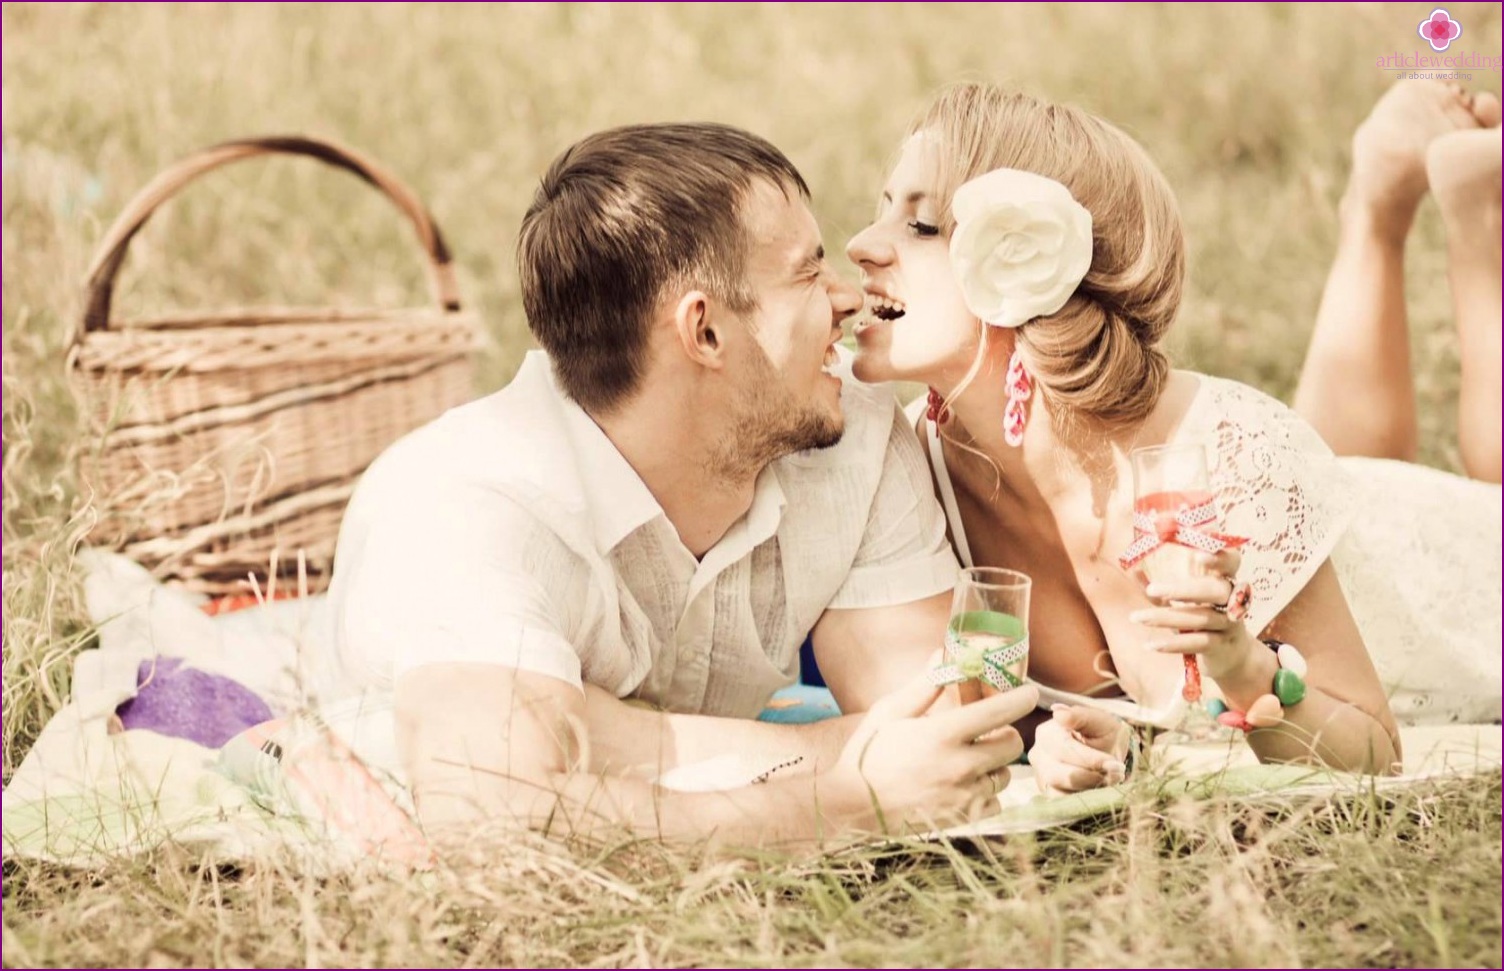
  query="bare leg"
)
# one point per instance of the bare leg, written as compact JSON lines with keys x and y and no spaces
{"x":1464,"y":171}
{"x":1355,"y":387}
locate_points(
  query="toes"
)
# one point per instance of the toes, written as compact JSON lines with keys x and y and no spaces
{"x":1486,"y":109}
{"x":1459,"y":110}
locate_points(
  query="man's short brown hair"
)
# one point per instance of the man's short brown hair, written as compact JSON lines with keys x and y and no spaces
{"x":619,"y":217}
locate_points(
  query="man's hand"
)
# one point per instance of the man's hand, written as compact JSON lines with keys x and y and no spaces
{"x":1079,"y":748}
{"x":937,"y":769}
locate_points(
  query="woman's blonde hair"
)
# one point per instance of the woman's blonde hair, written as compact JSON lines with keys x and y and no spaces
{"x":1097,"y":356}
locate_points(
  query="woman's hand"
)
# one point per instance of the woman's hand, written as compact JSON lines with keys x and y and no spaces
{"x":1192,"y":616}
{"x":1079,"y":748}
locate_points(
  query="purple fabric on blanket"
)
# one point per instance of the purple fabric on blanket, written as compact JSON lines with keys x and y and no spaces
{"x":186,"y":702}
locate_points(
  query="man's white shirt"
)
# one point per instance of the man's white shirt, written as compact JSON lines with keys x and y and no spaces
{"x":511,"y":531}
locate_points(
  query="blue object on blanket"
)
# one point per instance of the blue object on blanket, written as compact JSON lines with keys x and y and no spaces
{"x":799,"y":704}
{"x":186,"y":702}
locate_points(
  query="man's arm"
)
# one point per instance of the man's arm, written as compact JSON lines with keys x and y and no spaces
{"x":631,"y":740}
{"x":889,"y":617}
{"x":489,"y":743}
{"x":865,"y":653}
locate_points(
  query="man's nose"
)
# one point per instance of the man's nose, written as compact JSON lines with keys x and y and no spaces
{"x":845,"y":297}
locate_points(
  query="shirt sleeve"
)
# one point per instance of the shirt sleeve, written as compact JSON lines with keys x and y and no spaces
{"x":452,"y":574}
{"x":1278,"y":487}
{"x":904,"y":555}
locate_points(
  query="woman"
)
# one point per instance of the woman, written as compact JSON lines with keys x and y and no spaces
{"x":1026,"y":260}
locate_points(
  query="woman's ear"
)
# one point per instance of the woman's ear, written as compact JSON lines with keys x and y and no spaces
{"x":699,"y":333}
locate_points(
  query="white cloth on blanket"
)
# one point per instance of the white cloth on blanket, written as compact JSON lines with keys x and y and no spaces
{"x":277,"y":652}
{"x":1417,"y":551}
{"x":86,"y":791}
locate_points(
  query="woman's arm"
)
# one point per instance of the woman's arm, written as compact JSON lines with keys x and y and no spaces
{"x":1344,"y":720}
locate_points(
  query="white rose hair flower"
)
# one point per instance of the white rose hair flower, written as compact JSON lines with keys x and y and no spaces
{"x":1021,"y":246}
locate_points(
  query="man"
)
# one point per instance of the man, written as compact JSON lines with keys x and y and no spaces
{"x":659,"y":507}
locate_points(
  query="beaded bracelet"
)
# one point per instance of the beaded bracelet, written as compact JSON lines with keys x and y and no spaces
{"x":1268,"y":710}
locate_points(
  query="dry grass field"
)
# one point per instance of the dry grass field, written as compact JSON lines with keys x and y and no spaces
{"x":1249,"y":110}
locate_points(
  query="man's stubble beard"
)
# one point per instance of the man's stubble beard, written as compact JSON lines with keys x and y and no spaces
{"x":768,"y":424}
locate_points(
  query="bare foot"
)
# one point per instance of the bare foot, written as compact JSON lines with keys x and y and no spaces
{"x":1463,"y":170}
{"x":1389,"y":148}
{"x":1485,"y":107}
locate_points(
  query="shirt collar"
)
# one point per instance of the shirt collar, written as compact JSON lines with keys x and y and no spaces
{"x":766,"y":511}
{"x":617,"y":500}
{"x":620,"y":503}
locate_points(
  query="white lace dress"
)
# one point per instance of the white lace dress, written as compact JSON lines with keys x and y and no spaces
{"x":1417,"y":550}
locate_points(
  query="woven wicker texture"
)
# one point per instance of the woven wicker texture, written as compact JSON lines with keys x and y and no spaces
{"x":222,"y":442}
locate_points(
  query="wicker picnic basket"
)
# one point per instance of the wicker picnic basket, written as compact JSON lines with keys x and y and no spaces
{"x":225,"y":444}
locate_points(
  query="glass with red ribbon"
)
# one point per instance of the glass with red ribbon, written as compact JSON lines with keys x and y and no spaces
{"x":1175,"y":519}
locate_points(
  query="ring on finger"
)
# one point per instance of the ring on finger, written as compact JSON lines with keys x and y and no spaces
{"x":1239,"y":599}
{"x":1232,"y":586}
{"x":999,"y":780}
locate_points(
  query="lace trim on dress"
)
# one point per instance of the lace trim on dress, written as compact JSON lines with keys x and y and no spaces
{"x":1277,"y":484}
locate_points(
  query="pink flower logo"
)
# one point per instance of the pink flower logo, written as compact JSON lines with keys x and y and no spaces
{"x":1440,"y":29}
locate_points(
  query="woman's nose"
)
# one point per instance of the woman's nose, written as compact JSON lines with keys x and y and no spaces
{"x":869,"y":247}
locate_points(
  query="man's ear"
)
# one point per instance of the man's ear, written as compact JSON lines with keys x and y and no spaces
{"x":700,"y":330}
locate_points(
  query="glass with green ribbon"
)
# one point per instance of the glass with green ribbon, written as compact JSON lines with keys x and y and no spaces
{"x":987,"y":639}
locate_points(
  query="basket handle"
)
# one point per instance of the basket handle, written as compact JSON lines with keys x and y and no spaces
{"x":112,"y":248}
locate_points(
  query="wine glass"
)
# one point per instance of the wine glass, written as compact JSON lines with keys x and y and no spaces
{"x":1172,"y":489}
{"x":988,"y":634}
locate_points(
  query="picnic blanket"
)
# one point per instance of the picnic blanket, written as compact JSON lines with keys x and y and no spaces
{"x":205,"y":731}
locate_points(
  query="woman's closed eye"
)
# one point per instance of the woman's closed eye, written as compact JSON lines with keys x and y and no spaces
{"x":924,"y":229}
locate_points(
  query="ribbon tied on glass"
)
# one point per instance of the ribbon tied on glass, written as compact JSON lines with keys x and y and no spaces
{"x":987,"y":639}
{"x":1174,"y":512}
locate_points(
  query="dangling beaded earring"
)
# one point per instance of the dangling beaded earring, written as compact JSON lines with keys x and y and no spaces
{"x":1020,"y":389}
{"x":937,"y":412}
